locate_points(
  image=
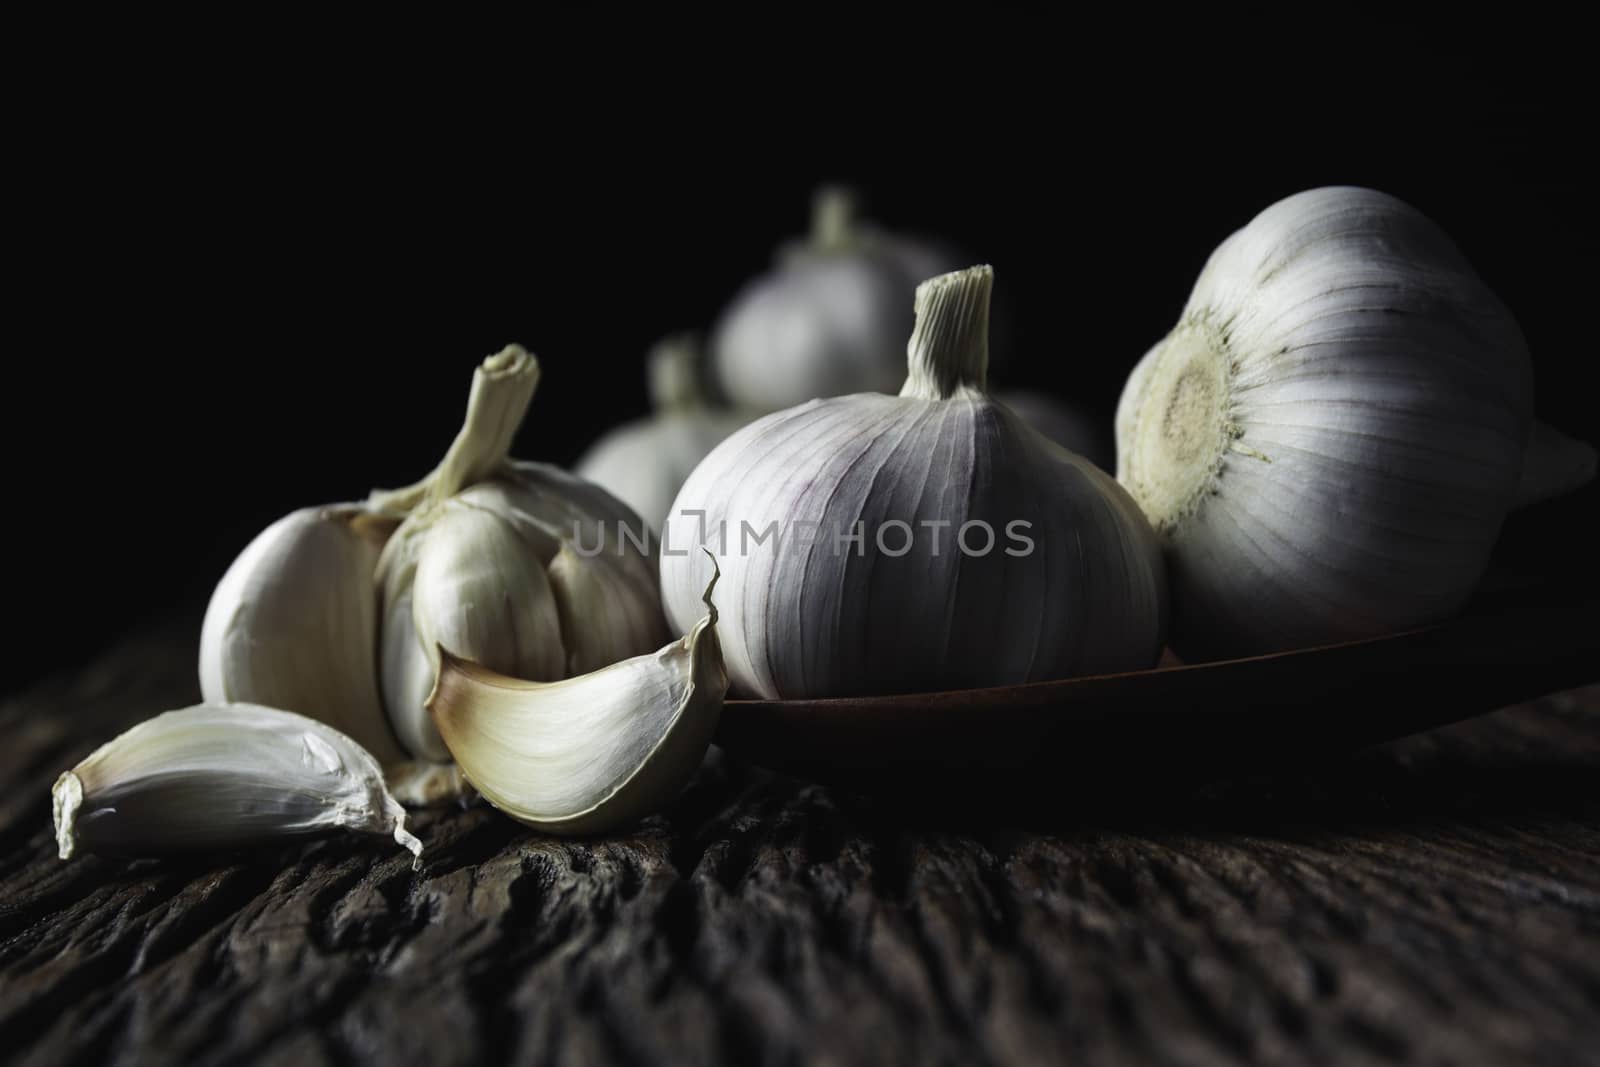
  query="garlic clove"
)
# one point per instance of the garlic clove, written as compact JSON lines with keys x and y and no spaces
{"x":602,"y":617}
{"x":218,"y":776}
{"x":293,"y":623}
{"x":592,"y":753}
{"x":477,"y":587}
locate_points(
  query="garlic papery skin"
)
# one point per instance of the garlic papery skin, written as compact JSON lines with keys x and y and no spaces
{"x":219,"y":776}
{"x":986,"y":554}
{"x":830,"y":320}
{"x":1329,"y":439}
{"x":645,"y":462}
{"x":293,"y":623}
{"x":589,"y":754}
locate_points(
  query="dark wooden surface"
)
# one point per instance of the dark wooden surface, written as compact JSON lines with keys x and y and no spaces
{"x":1436,"y":900}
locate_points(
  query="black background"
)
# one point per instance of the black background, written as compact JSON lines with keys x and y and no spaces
{"x":256,"y":273}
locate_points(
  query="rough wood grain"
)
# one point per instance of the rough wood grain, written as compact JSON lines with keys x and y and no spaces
{"x":1434,"y":901}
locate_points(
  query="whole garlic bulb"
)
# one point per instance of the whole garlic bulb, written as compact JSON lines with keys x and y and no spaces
{"x":923,"y":541}
{"x":644,"y":463}
{"x":830,"y":320}
{"x":1328,"y":440}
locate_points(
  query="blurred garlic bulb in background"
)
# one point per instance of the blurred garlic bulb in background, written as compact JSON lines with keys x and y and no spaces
{"x":830,"y":319}
{"x":974,"y":552}
{"x":644,"y":462}
{"x":1329,"y":439}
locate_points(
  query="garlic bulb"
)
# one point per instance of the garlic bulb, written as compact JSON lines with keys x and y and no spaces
{"x":294,"y":624}
{"x":591,"y":753}
{"x":1328,"y":440}
{"x":336,"y":612}
{"x":644,"y":462}
{"x":930,"y":540}
{"x":830,"y":320}
{"x":221,"y":776}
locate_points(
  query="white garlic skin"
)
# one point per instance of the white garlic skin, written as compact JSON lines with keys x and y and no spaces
{"x":1089,"y":599}
{"x":645,"y":462}
{"x":1330,"y":438}
{"x":293,"y":624}
{"x":527,"y":574}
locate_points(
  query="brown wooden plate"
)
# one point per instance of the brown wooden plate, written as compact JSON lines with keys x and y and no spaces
{"x":1203,"y":717}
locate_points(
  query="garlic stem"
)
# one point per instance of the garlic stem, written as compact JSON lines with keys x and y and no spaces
{"x":502,"y":388}
{"x":834,"y":210}
{"x":674,"y":378}
{"x":1553,"y":465}
{"x":949,"y":347}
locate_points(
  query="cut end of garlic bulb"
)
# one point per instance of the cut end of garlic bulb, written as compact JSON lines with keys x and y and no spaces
{"x":66,"y":797}
{"x":592,"y":753}
{"x":1180,"y":426}
{"x":949,"y":347}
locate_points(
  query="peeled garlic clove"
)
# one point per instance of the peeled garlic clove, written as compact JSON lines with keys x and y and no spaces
{"x":293,"y":624}
{"x":219,"y":776}
{"x":592,"y":753}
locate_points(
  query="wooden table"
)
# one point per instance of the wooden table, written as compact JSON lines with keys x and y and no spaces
{"x":1436,"y":900}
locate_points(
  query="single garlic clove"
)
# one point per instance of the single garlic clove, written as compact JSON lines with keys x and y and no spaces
{"x":478,"y":588}
{"x":219,"y":776}
{"x":603,"y":619}
{"x":592,"y":753}
{"x":293,"y":623}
